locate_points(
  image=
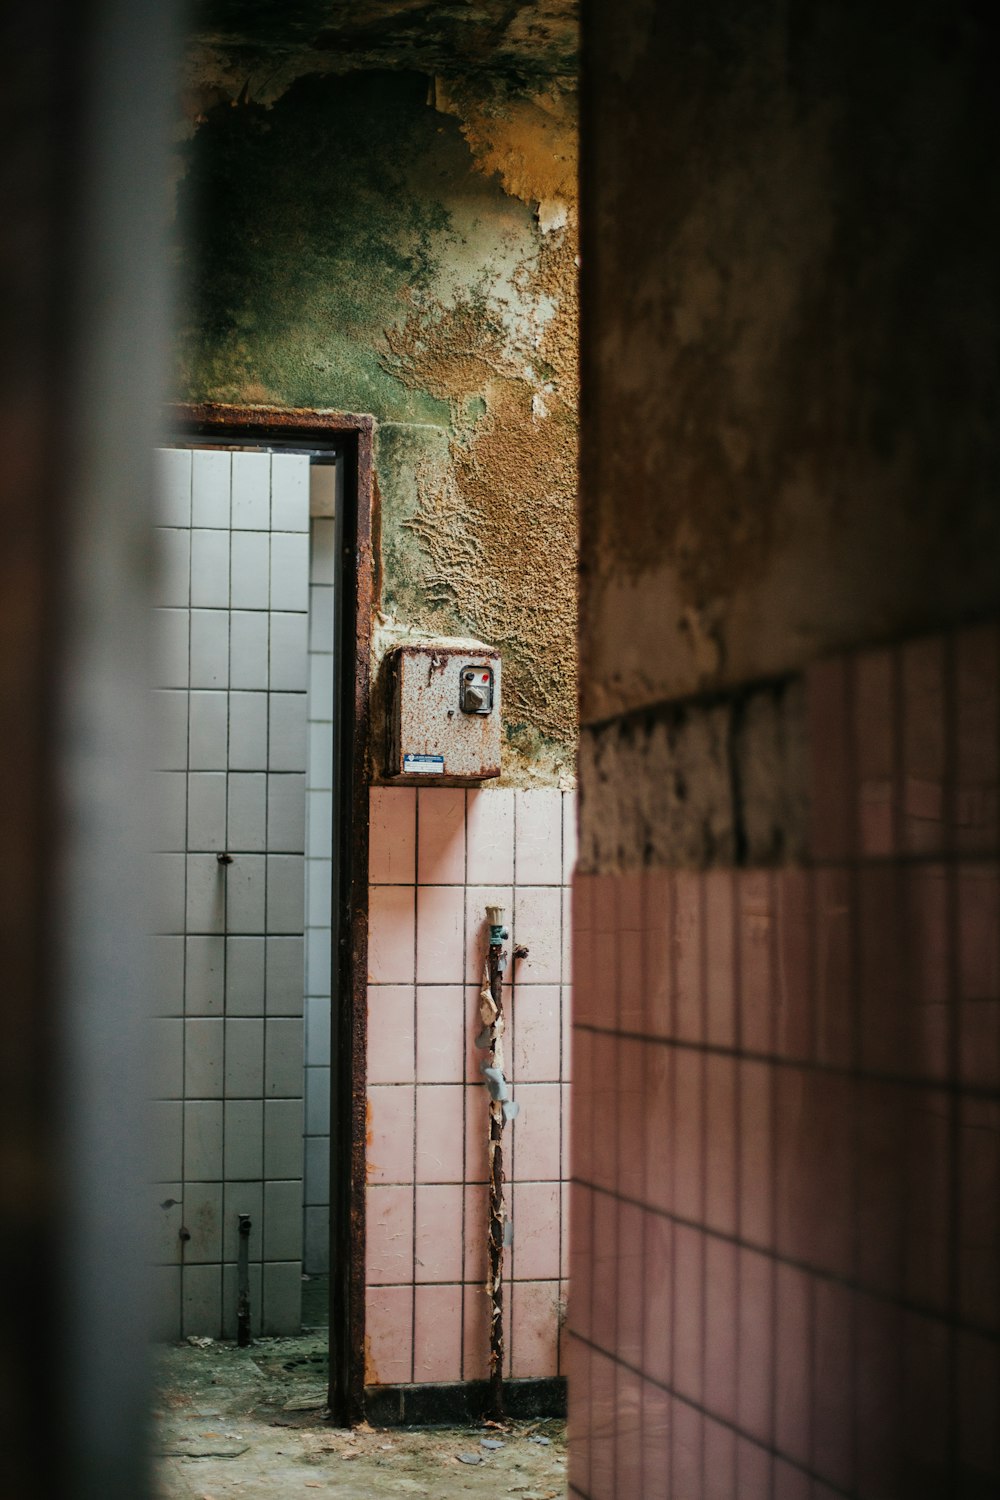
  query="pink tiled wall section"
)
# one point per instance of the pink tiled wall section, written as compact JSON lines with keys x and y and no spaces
{"x":785,"y":1250}
{"x":439,"y":856}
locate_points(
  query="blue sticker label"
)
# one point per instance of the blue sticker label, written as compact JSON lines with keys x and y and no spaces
{"x":423,"y":765}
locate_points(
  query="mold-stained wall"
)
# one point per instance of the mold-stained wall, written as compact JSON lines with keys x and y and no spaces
{"x":386,"y":243}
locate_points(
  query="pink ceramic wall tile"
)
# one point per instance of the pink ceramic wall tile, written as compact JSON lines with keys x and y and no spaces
{"x":392,"y":835}
{"x":927,"y":1183}
{"x":831,"y":778}
{"x":686,"y":1450}
{"x":756,"y":1185}
{"x":538,"y":835}
{"x":569,"y":836}
{"x":604,"y":1103}
{"x":631,"y":1310}
{"x":721,"y":1260}
{"x":721,"y":1104}
{"x":833,"y":1382}
{"x":977,"y":736}
{"x":631,"y":1012}
{"x":440,"y":934}
{"x":833,"y":966}
{"x":631,"y":1122}
{"x":566,"y":1023}
{"x":689,"y":956}
{"x":658,"y":1185}
{"x":874,"y":748}
{"x":689,"y":1345}
{"x":388,"y":1335}
{"x":658,"y":952}
{"x":582,"y":936}
{"x":441,"y":836}
{"x":389,"y":1235}
{"x":720,"y":994}
{"x":753,"y":1470}
{"x":688,"y":1133}
{"x":438,"y":1232}
{"x":656,"y":1406}
{"x":564,"y":1201}
{"x":390,"y":1033}
{"x":879,"y":1187}
{"x":391,"y":930}
{"x":440,"y":1147}
{"x":581,"y":1240}
{"x":536,"y":1133}
{"x":793,"y":1372}
{"x":477,"y":1133}
{"x":477,"y":933}
{"x":792,"y":989}
{"x":878,"y":1395}
{"x":884,"y":1004}
{"x":925,"y":1369}
{"x":538,"y":1033}
{"x":538,"y":926}
{"x":791,"y":1483}
{"x":566,"y":957}
{"x":437,"y":1333}
{"x":476,"y":1056}
{"x":658,"y":1258}
{"x":719,"y":1461}
{"x":534,"y":1329}
{"x":579,"y":1424}
{"x":757,"y":944}
{"x":476,"y":1332}
{"x":474,"y":1254}
{"x":628,"y":1438}
{"x":604,"y":1283}
{"x":979,"y":932}
{"x":490,"y":834}
{"x":390,"y":1133}
{"x":566,"y":1100}
{"x":925,"y":796}
{"x":815,"y":1210}
{"x":440,"y":1033}
{"x":756,"y":1312}
{"x":535,"y":1208}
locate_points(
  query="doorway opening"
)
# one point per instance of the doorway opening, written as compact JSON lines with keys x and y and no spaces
{"x":262,"y":688}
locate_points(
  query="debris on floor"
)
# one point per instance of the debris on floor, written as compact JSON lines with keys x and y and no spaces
{"x":250,"y":1424}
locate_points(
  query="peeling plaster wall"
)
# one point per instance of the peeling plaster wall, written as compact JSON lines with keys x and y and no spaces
{"x":379,"y":242}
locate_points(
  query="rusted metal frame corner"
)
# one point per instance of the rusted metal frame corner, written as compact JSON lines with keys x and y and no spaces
{"x":348,"y":1131}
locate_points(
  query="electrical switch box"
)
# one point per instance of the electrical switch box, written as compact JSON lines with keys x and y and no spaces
{"x":444,"y":713}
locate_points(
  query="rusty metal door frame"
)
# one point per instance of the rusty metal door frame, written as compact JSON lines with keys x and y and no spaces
{"x":355,"y":599}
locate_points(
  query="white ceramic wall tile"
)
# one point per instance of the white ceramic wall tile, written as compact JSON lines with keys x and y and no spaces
{"x":166,"y":1136}
{"x":282,"y":1220}
{"x":242,"y":1198}
{"x":251,"y":492}
{"x":201,"y":1300}
{"x":316,"y":1249}
{"x":317,"y":1101}
{"x":320,"y":777}
{"x":283,"y":1127}
{"x":322,"y":561}
{"x":167,"y":1053}
{"x":203,"y":1140}
{"x":209,"y":569}
{"x":538,"y":925}
{"x":206,"y":811}
{"x":283,"y":1054}
{"x":320,"y":618}
{"x":209,"y":648}
{"x":173,"y":486}
{"x":203,"y":1057}
{"x":281,"y":1298}
{"x":203,"y":1217}
{"x":168,"y":968}
{"x":286,"y":813}
{"x":538,"y":833}
{"x":206,"y":894}
{"x":244,"y":1070}
{"x":325,"y":483}
{"x":285,"y":893}
{"x":245,"y":894}
{"x":247,"y":731}
{"x":317,"y":1169}
{"x":247,"y":831}
{"x":289,"y":570}
{"x":287,"y":732}
{"x":251,"y":570}
{"x":230,"y":1296}
{"x":168,"y":892}
{"x":245,"y":976}
{"x":248,"y":648}
{"x":289,"y":661}
{"x":169,"y":811}
{"x":285,"y":975}
{"x":320,"y":886}
{"x":171,"y":628}
{"x":490,"y":837}
{"x":244,"y":1139}
{"x":289,"y":492}
{"x":209,"y":731}
{"x":210,"y":472}
{"x":166,"y":1215}
{"x":206,"y":973}
{"x":170,"y":730}
{"x":318,"y":961}
{"x":173,"y":567}
{"x":318,"y":1031}
{"x":320,"y":686}
{"x":319,"y":828}
{"x":569,"y":836}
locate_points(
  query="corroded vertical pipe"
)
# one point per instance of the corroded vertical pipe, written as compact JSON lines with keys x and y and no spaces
{"x":491,"y":1014}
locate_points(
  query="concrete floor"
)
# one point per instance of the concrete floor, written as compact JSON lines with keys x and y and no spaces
{"x":248,"y":1424}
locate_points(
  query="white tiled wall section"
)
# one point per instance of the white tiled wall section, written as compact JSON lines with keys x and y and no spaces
{"x":231,"y":706}
{"x":439,"y":856}
{"x":319,"y":873}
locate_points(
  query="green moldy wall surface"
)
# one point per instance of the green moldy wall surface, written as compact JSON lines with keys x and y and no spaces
{"x":373,"y":243}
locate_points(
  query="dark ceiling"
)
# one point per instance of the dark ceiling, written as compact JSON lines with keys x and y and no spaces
{"x":531,"y":41}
